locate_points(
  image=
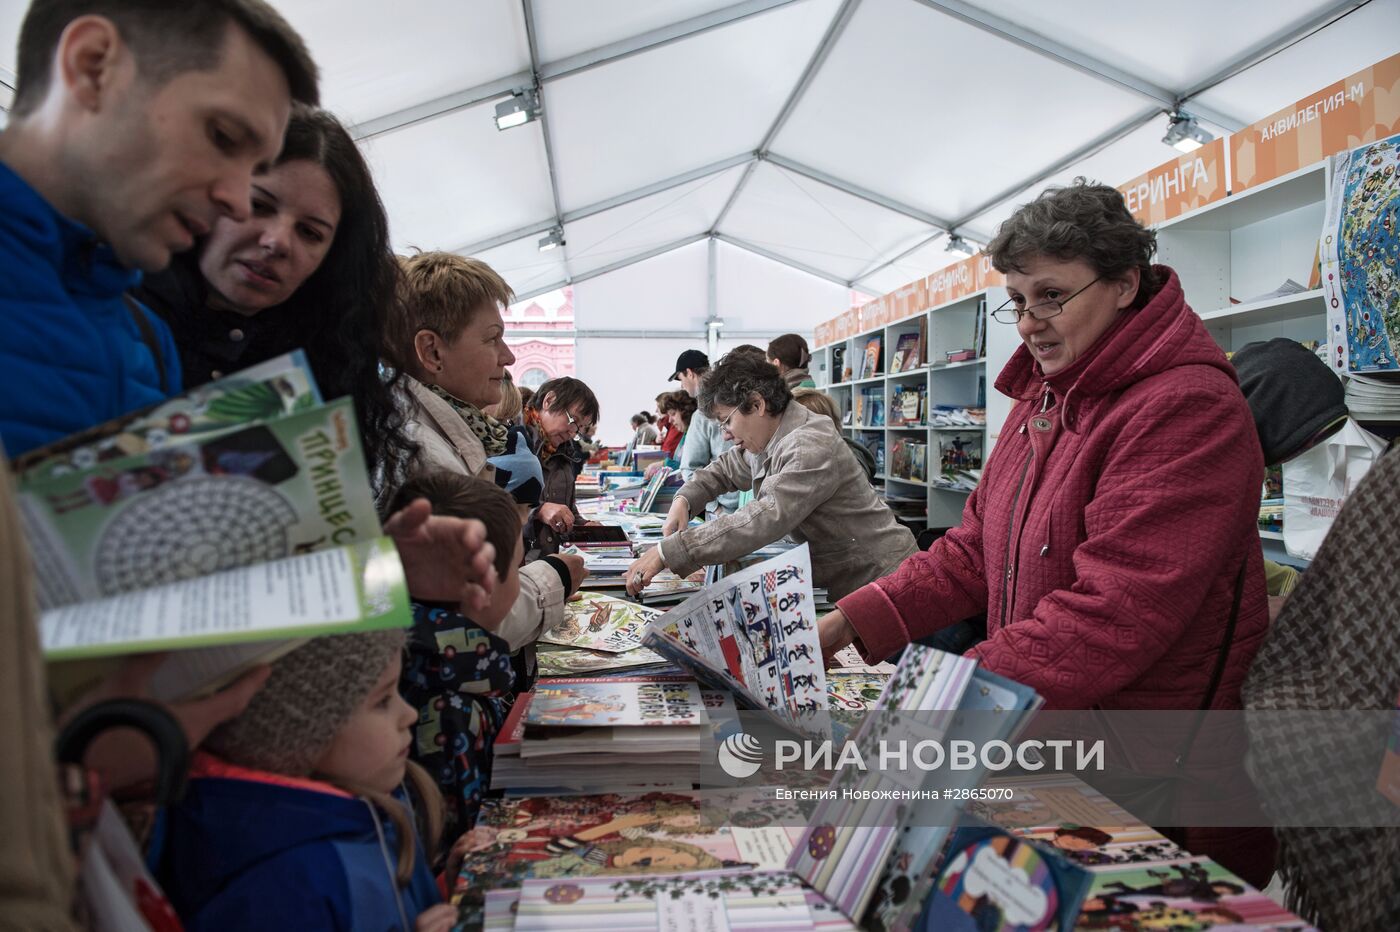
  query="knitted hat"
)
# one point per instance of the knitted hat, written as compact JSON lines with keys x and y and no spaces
{"x":1291,"y":393}
{"x":311,"y":693}
{"x":518,"y":471}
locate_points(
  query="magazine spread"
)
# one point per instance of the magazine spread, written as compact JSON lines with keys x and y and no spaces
{"x":753,"y":633}
{"x":581,"y":702}
{"x":601,"y":622}
{"x":266,"y":491}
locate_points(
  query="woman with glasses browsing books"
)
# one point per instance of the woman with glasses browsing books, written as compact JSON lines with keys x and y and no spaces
{"x":560,"y":411}
{"x":1112,"y":542}
{"x":805,"y":481}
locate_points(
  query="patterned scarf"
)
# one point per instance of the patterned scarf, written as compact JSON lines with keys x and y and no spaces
{"x":491,"y":432}
{"x":1336,"y":645}
{"x":536,"y":424}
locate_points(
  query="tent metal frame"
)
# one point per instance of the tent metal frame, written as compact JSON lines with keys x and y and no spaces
{"x":1162,"y":99}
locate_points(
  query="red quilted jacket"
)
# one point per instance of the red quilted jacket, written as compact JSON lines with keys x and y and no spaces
{"x":1106,"y":537}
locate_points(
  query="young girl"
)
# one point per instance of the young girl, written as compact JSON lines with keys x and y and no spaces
{"x":296,"y":815}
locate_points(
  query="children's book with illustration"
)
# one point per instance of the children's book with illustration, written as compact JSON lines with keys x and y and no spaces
{"x":870,"y":360}
{"x":730,"y":900}
{"x":992,"y":708}
{"x":848,"y":841}
{"x":991,"y":879}
{"x":614,"y":835}
{"x":588,"y":702}
{"x":907,"y":354}
{"x":263,"y":492}
{"x":553,"y":660}
{"x":230,"y":542}
{"x":601,"y":622}
{"x":1192,"y":893}
{"x":754,"y":633}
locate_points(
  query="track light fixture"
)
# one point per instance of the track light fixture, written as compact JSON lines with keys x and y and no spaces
{"x":553,"y":239}
{"x":1183,"y":132}
{"x":522,"y":107}
{"x":960,"y":246}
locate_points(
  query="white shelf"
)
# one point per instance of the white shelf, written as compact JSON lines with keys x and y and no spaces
{"x":857,"y":428}
{"x":1269,"y":310}
{"x":940,"y":488}
{"x":870,"y":381}
{"x":919,"y":372}
{"x":919,"y":482}
{"x":1297,"y":189}
{"x":907,"y":427}
{"x":958,"y":365}
{"x":970,"y":429}
{"x":1270,"y":535}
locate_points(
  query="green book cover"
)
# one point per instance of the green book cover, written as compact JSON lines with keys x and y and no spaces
{"x":289,"y":486}
{"x":269,"y":390}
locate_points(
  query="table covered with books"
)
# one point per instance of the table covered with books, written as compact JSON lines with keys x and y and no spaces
{"x":607,"y":817}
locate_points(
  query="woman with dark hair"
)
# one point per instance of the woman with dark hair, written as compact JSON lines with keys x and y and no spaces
{"x":679,"y":408}
{"x":805,"y":482}
{"x":790,"y":355}
{"x":670,"y":437}
{"x":311,"y":269}
{"x":560,"y":410}
{"x":1112,"y":543}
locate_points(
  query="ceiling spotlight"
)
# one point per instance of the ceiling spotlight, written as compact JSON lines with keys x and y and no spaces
{"x":960,"y":246}
{"x":522,"y":107}
{"x":552,"y":240}
{"x":1184,"y":134}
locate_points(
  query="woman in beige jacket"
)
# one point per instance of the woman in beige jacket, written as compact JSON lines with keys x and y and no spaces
{"x":805,"y":481}
{"x":450,"y":337}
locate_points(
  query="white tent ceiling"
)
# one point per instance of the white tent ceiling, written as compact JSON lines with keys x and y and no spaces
{"x":841,"y":138}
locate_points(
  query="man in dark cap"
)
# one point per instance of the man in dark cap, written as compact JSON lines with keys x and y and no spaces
{"x":1297,"y":403}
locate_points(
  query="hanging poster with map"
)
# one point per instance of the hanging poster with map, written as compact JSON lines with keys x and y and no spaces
{"x":1360,"y":256}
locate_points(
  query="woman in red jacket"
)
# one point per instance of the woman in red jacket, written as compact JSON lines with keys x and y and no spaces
{"x":1116,"y":517}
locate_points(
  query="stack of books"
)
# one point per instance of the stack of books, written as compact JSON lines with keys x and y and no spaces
{"x":591,"y":734}
{"x":957,"y":416}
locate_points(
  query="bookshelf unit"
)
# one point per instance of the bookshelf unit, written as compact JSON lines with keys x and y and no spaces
{"x":949,"y":327}
{"x":1226,"y":254}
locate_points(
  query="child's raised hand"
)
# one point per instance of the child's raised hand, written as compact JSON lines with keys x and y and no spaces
{"x":439,"y":918}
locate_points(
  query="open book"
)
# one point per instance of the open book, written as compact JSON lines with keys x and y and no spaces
{"x":753,"y":633}
{"x":260,"y":527}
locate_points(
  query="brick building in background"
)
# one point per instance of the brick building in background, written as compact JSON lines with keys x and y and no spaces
{"x":540,"y":357}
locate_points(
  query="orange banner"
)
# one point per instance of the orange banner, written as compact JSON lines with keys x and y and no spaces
{"x":948,"y":284}
{"x":1180,"y":185}
{"x":961,"y":279}
{"x":846,"y":325}
{"x":1354,"y":111}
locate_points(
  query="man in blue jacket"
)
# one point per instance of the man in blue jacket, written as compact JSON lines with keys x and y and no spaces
{"x":136,"y":124}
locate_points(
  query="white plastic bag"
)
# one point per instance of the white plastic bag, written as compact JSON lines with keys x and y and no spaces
{"x":1317,"y":482}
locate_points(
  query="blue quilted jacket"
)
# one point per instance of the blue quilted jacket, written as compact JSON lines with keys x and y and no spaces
{"x":71,"y":355}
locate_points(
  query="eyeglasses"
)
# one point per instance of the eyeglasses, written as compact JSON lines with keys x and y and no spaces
{"x":724,"y":424}
{"x":576,"y":425}
{"x":1009,"y":313}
